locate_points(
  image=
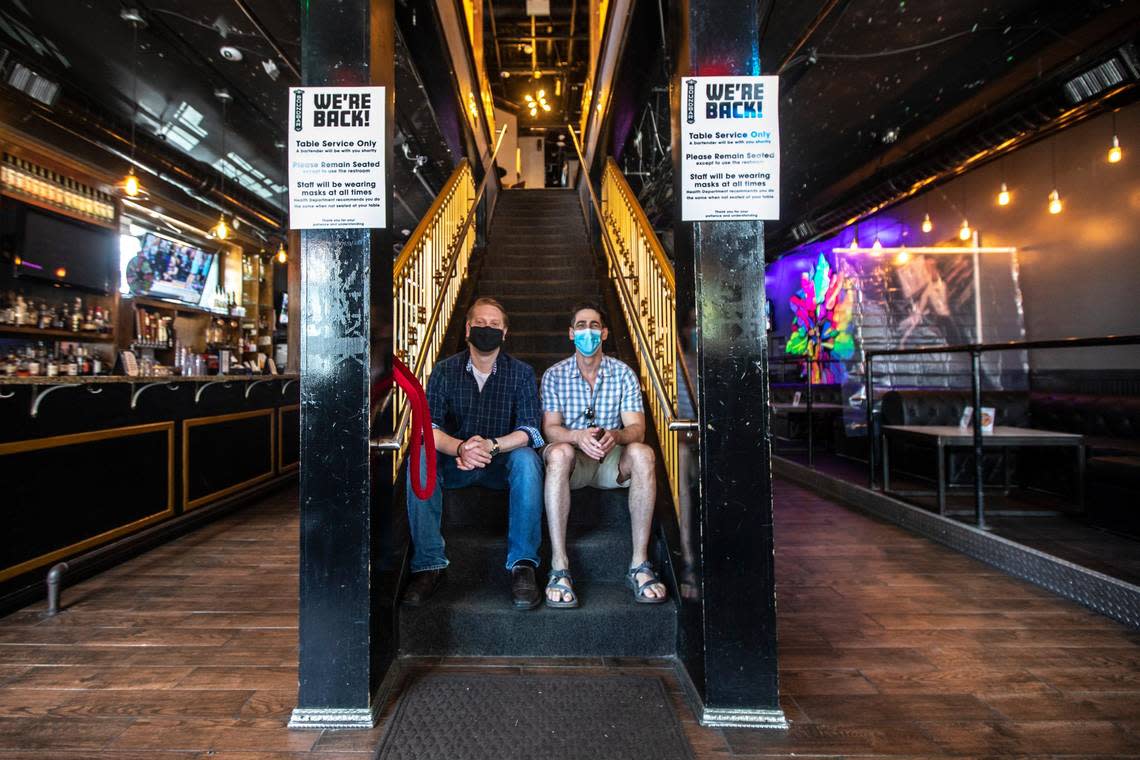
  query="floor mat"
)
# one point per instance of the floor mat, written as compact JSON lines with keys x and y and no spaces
{"x":555,"y":717}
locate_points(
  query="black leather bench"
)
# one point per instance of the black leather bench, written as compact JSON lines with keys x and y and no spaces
{"x":1110,"y":424}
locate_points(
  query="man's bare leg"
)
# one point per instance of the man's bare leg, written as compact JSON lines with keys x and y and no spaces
{"x":637,"y":463}
{"x":559,"y":466}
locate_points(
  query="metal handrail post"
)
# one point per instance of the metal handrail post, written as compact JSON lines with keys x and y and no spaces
{"x":639,"y":332}
{"x":976,"y":379}
{"x":869,"y":402}
{"x":810,"y":420}
{"x":451,"y":260}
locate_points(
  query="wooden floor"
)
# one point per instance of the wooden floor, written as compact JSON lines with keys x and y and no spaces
{"x":889,"y":646}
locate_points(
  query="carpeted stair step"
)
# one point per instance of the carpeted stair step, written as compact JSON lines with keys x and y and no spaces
{"x":558,"y":303}
{"x":477,"y":620}
{"x":547,"y":321}
{"x":538,"y":288}
{"x":574,"y":267}
{"x":550,"y":248}
{"x":589,"y":508}
{"x":499,"y":271}
{"x":480,"y":553}
{"x":541,"y":342}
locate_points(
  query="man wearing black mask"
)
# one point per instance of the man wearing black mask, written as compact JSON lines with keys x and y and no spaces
{"x":485,"y":416}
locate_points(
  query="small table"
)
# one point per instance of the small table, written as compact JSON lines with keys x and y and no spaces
{"x":943,"y":437}
{"x":816,"y":406}
{"x":824,"y":410}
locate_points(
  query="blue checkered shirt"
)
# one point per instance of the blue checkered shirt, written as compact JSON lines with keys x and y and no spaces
{"x":616,"y":390}
{"x":508,"y":401}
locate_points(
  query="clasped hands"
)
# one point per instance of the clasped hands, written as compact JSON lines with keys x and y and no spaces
{"x":595,"y":442}
{"x":474,"y":453}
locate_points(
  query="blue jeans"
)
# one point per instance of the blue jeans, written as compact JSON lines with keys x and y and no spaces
{"x":518,"y":471}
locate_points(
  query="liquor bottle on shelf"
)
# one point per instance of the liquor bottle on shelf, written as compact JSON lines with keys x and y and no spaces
{"x":34,"y":360}
{"x":20,"y":311}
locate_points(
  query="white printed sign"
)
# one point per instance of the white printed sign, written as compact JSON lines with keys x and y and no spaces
{"x":336,"y":158}
{"x":730,"y":143}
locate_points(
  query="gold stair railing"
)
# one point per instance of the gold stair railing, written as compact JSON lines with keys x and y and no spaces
{"x":426,"y":279}
{"x":647,"y":291}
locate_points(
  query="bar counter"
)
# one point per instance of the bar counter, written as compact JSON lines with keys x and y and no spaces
{"x":85,"y":461}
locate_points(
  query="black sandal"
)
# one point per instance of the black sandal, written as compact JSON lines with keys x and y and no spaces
{"x":639,"y":590}
{"x":552,"y":583}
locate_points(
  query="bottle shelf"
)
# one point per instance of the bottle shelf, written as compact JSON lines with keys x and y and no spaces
{"x":83,"y":337}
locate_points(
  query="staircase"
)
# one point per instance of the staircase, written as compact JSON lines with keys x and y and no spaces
{"x":538,"y":265}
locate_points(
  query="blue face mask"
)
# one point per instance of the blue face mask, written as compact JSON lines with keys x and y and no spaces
{"x":588,"y":341}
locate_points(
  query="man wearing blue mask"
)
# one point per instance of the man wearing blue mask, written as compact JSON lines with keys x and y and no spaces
{"x":484,"y":415}
{"x":594,"y":425}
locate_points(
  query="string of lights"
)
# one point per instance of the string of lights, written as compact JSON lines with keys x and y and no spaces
{"x":1004,"y":198}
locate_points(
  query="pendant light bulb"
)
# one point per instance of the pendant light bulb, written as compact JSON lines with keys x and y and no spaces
{"x":282,"y":254}
{"x":854,"y":242}
{"x":1003,"y":196}
{"x":876,"y":246}
{"x":965,"y":233}
{"x":1115,"y":153}
{"x":927,"y":225}
{"x":902,"y":258}
{"x":131,"y":184}
{"x":1055,"y":202}
{"x":221,"y":230}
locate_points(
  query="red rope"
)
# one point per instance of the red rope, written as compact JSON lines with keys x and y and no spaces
{"x":422,"y":438}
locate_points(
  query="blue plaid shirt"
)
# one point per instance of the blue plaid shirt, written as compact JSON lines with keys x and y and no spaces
{"x":508,"y":401}
{"x":616,"y":390}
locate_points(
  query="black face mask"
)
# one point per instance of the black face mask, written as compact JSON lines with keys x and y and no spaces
{"x":486,"y":339}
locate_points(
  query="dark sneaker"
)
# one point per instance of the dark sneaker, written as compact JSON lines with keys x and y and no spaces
{"x":524,"y":589}
{"x":422,"y":586}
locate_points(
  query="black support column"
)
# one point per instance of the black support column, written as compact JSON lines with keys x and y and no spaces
{"x":345,"y":647}
{"x":729,"y":633}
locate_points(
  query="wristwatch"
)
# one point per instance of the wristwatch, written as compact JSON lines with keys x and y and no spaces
{"x":494,"y":447}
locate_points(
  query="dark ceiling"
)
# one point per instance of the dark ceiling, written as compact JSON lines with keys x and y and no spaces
{"x":867,"y":86}
{"x":881,"y":73}
{"x":86,"y":45}
{"x":556,"y":46}
{"x":879,"y":94}
{"x":187,"y":50}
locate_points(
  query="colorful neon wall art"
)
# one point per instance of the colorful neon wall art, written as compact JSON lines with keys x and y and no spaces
{"x":822,"y":310}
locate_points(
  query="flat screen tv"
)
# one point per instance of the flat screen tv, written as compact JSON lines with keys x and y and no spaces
{"x":176,"y":270}
{"x":59,"y":250}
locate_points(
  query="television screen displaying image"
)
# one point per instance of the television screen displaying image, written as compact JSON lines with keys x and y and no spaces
{"x":167,"y":268}
{"x":58,"y":250}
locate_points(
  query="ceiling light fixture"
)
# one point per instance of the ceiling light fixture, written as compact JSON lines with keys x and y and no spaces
{"x":927,"y":225}
{"x":221,"y":230}
{"x":132,"y":16}
{"x":282,"y":254}
{"x":964,"y":232}
{"x":534,"y":104}
{"x":1003,"y":196}
{"x":1115,"y":153}
{"x":1055,"y":206}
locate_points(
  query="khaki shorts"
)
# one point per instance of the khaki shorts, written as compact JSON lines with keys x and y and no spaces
{"x":591,"y":472}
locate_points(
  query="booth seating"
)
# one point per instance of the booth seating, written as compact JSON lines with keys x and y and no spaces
{"x":1111,"y":425}
{"x":784,"y":393}
{"x":826,"y":402}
